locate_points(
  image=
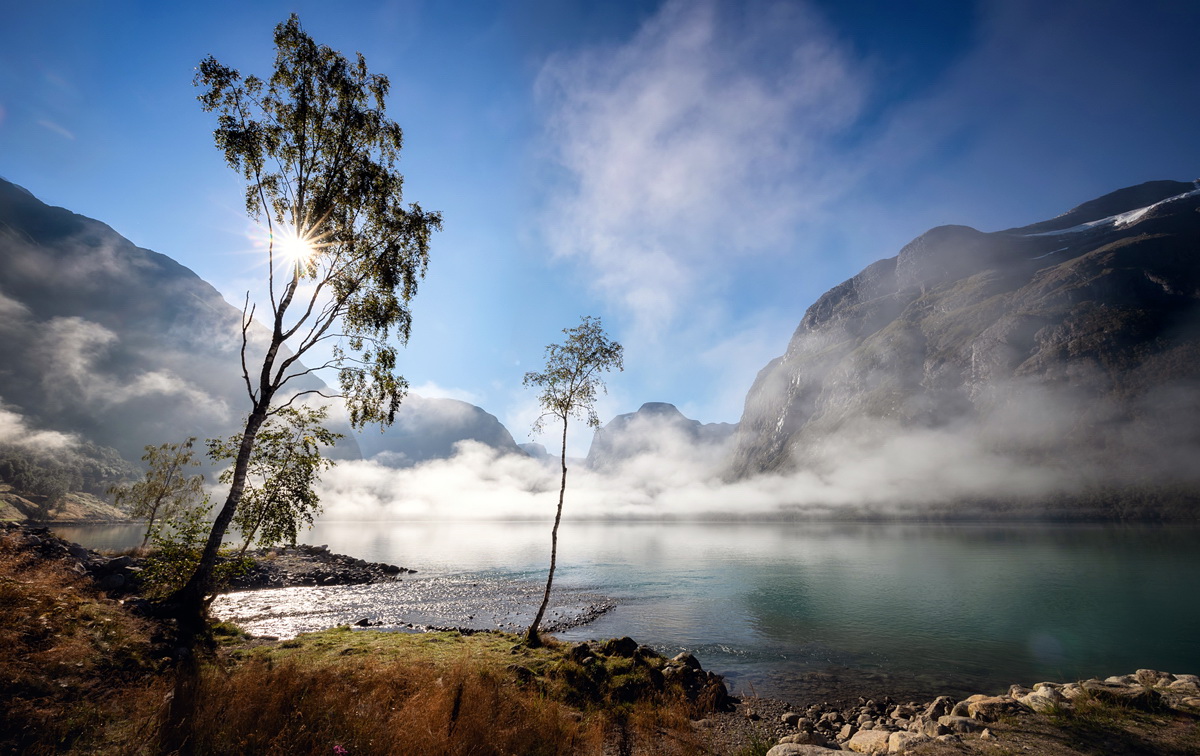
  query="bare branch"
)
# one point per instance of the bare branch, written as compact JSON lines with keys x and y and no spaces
{"x":247,"y":319}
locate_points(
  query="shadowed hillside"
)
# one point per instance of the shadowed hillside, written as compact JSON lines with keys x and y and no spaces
{"x":1068,"y":351}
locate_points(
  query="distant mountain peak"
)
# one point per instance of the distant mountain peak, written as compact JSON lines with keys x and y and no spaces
{"x":1114,"y":203}
{"x":654,"y":427}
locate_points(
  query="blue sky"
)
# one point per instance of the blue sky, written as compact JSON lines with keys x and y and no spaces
{"x":695,"y":173}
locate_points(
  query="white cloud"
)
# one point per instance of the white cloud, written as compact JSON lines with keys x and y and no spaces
{"x":431,"y":390}
{"x":74,"y":350}
{"x":11,"y":311}
{"x":875,"y":467}
{"x":699,"y":140}
{"x":15,"y":430}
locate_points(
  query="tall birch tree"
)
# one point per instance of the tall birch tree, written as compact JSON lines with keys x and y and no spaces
{"x":569,"y":386}
{"x":344,"y":253}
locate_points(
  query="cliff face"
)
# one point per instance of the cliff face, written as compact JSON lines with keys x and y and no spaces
{"x":1077,"y":337}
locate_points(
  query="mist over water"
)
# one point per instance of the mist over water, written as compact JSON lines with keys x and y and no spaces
{"x":817,"y":611}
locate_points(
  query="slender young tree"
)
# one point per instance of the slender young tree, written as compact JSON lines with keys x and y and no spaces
{"x":569,"y":386}
{"x":344,"y":254}
{"x":279,"y":497}
{"x":166,"y":490}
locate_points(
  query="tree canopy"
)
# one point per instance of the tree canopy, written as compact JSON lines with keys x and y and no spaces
{"x":345,"y":254}
{"x":166,"y":490}
{"x":572,"y":378}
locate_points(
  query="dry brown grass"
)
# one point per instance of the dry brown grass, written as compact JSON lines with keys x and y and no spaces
{"x":368,"y":707}
{"x":77,"y":677}
{"x":380,"y":693}
{"x":68,"y":658}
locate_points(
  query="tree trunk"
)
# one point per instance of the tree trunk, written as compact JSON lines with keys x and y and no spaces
{"x":146,"y":535}
{"x":190,"y":599}
{"x":175,"y":735}
{"x":531,"y":636}
{"x":189,"y":604}
{"x":249,"y":538}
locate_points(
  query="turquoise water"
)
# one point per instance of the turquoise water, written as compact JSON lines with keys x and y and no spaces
{"x":813,"y":612}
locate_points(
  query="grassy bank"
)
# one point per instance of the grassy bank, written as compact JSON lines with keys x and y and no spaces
{"x":80,"y":674}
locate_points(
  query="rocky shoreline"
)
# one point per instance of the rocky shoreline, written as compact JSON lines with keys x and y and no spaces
{"x":304,"y":565}
{"x":282,"y":567}
{"x":885,"y":726}
{"x":464,"y":604}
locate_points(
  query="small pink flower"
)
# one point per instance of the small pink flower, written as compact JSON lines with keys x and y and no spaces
{"x":339,"y":751}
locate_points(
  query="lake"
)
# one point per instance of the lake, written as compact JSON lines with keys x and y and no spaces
{"x":818,"y":611}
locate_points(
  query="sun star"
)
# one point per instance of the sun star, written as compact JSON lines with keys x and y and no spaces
{"x":292,"y":246}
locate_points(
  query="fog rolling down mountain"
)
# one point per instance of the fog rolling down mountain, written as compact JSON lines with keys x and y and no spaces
{"x":427,"y":429}
{"x":1064,"y":354}
{"x":110,"y":342}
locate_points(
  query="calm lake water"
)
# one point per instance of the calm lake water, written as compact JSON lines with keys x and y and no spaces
{"x":811,"y":612}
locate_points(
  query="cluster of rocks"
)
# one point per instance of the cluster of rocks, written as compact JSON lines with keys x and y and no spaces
{"x":119,"y":575}
{"x":310,"y":565}
{"x":269,"y":568}
{"x":698,"y":685}
{"x":655,"y":673}
{"x":887,"y":727}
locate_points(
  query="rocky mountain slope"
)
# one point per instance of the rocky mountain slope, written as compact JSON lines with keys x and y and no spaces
{"x":119,"y":345}
{"x":1070,"y":345}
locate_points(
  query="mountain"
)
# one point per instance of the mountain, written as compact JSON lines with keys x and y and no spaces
{"x":656,"y":428}
{"x":121,"y":346}
{"x":428,"y":429}
{"x":109,"y":342}
{"x":1070,"y":347}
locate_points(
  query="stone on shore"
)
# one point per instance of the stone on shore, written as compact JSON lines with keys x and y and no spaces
{"x":900,"y":742}
{"x":885,"y":727}
{"x":1131,"y":694}
{"x":1186,"y":687}
{"x":1044,"y":698}
{"x":959,"y":724}
{"x":869,"y":741}
{"x":990,"y":708}
{"x":941,"y":706}
{"x":797,"y":749}
{"x":805,"y":738}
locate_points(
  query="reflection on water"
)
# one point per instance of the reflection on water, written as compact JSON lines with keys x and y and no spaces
{"x":474,"y":602}
{"x":810,"y":611}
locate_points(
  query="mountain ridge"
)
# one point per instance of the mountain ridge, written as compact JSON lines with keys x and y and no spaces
{"x":1092,"y":319}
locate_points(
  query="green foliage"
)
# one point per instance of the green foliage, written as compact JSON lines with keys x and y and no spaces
{"x":318,"y":155}
{"x":165,"y":492}
{"x":572,"y":378}
{"x":285,"y":464}
{"x":51,"y":473}
{"x":175,"y":553}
